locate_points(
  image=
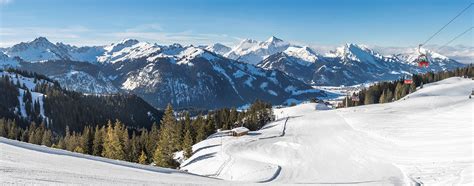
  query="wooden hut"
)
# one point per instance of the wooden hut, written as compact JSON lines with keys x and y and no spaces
{"x":239,"y":131}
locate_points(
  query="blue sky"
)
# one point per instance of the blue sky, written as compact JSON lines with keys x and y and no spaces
{"x":324,"y":22}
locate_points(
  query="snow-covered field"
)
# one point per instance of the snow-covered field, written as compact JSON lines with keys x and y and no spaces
{"x":425,"y":138}
{"x":28,"y":164}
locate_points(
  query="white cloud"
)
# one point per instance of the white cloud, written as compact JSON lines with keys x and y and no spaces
{"x":162,"y":37}
{"x":13,"y":35}
{"x":80,"y":35}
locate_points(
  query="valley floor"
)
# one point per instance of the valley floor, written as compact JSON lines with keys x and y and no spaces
{"x":426,"y":138}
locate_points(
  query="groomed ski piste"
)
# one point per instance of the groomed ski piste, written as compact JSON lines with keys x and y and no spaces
{"x":425,"y":138}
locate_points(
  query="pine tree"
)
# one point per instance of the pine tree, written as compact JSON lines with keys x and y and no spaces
{"x":3,"y":132}
{"x":122,"y":132}
{"x":97,"y":144}
{"x":233,"y":117}
{"x":87,"y":140}
{"x":412,"y":88}
{"x":79,"y":149}
{"x":178,"y":135}
{"x":188,"y":144}
{"x":142,"y":159}
{"x":163,"y":155}
{"x":32,"y":133}
{"x":389,"y":96}
{"x":152,"y":140}
{"x":46,"y":140}
{"x":210,"y":127}
{"x":369,"y":97}
{"x":112,"y":147}
{"x":188,"y":125}
{"x":61,"y":144}
{"x":73,"y":141}
{"x":398,"y":91}
{"x":67,"y":137}
{"x":144,"y":140}
{"x":135,"y":147}
{"x":201,"y":129}
{"x":383,"y":97}
{"x":13,"y":131}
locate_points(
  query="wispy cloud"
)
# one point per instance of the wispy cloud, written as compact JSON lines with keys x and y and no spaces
{"x":157,"y":34}
{"x":12,"y":35}
{"x":4,"y":2}
{"x":80,"y":35}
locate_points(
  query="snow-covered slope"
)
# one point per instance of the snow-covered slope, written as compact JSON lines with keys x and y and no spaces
{"x":189,"y":76}
{"x":28,"y":164}
{"x":37,"y":50}
{"x":425,"y":138}
{"x":128,"y":49}
{"x":29,"y":85}
{"x":8,"y":62}
{"x":252,"y":51}
{"x":41,"y":49}
{"x":81,"y":77}
{"x":82,"y":54}
{"x":218,"y":48}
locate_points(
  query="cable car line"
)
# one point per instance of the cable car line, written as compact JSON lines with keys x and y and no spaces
{"x":422,"y":59}
{"x":459,"y":14}
{"x":461,"y":34}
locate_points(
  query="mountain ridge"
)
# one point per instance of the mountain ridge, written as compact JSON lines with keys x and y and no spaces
{"x":193,"y":75}
{"x":186,"y":76}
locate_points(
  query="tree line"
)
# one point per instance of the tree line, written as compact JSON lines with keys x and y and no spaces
{"x":385,"y":92}
{"x":157,"y":146}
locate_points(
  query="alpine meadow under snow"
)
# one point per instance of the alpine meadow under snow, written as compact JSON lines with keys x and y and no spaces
{"x":424,"y":138}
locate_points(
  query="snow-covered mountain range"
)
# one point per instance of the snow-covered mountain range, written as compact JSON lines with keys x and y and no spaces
{"x":347,"y":65}
{"x":186,"y":76}
{"x":252,"y":51}
{"x":351,"y":64}
{"x":215,"y":75}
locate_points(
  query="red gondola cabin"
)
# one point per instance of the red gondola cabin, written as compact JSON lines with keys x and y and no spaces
{"x":423,"y":61}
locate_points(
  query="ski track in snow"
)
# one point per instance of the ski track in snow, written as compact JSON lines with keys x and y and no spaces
{"x":425,"y":138}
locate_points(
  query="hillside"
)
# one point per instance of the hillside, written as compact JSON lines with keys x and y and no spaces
{"x":426,"y":138}
{"x":28,"y":164}
{"x":28,"y":97}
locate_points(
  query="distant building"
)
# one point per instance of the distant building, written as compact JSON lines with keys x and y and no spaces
{"x":239,"y":131}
